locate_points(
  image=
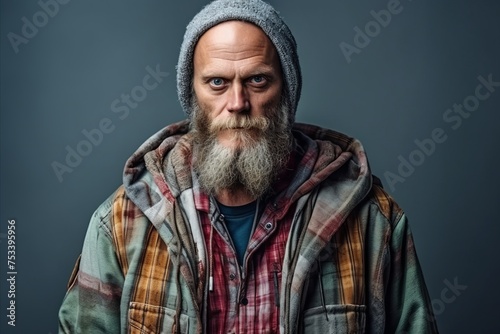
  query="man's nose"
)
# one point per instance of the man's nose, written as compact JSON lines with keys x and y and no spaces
{"x":237,"y":99}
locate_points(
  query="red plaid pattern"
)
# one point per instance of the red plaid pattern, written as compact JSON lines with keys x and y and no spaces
{"x":245,"y":300}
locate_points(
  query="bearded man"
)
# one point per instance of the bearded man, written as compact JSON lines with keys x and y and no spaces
{"x":239,"y":220}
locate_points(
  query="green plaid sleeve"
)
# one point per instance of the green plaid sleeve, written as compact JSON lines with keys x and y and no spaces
{"x":92,"y":302}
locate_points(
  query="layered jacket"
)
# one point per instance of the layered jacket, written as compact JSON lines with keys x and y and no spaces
{"x":349,"y":266}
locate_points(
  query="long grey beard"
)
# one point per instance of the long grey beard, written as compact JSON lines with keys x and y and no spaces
{"x":253,"y":167}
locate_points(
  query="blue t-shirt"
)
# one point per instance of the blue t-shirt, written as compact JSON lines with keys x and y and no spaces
{"x":239,"y":223}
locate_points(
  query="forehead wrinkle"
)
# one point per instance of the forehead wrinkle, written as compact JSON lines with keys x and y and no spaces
{"x":234,"y":52}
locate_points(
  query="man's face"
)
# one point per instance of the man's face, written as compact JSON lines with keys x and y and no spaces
{"x":237,"y":80}
{"x":240,"y":120}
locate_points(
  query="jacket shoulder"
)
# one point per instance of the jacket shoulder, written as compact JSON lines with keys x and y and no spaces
{"x":384,"y":203}
{"x":115,"y":209}
{"x":123,"y":222}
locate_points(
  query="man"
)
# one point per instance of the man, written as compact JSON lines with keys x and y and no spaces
{"x":238,"y":220}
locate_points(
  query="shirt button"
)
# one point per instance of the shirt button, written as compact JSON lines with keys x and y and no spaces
{"x":244,"y":301}
{"x":268,"y":226}
{"x":232,"y":276}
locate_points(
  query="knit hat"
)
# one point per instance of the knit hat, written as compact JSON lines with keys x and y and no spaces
{"x":253,"y":11}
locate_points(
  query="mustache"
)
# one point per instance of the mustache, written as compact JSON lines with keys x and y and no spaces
{"x":240,"y":122}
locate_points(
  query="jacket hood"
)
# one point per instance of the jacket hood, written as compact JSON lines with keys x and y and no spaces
{"x":160,"y":170}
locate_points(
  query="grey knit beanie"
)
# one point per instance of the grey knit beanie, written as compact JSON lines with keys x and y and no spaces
{"x":253,"y":11}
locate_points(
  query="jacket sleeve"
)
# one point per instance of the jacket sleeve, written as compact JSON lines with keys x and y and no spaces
{"x":92,"y":302}
{"x":408,"y":306}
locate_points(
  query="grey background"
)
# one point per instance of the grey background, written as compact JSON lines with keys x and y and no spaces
{"x":393,"y":92}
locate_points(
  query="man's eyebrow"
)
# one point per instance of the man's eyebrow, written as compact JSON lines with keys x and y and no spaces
{"x":268,"y":71}
{"x":210,"y":75}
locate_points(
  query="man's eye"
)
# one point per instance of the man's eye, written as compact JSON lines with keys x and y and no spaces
{"x":217,"y":82}
{"x":259,"y":80}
